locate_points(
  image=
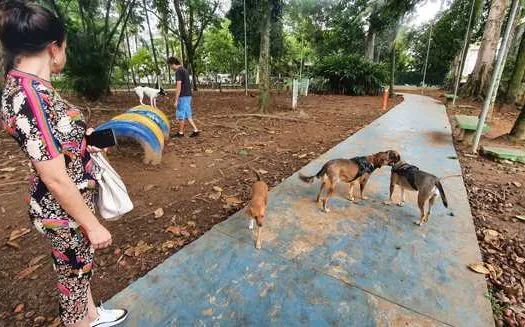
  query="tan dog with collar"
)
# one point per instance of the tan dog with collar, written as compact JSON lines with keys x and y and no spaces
{"x":353,"y":171}
{"x":257,"y":207}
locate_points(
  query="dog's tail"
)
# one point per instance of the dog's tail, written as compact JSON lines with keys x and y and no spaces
{"x":310,"y":179}
{"x":442,"y":193}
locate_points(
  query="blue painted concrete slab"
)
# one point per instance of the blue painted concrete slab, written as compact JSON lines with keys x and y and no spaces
{"x":369,"y":250}
{"x":219,"y":281}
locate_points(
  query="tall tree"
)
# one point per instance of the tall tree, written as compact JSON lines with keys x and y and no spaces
{"x":193,"y":17}
{"x":264,"y":59}
{"x":518,"y":130}
{"x":477,"y":83}
{"x":164,"y":13}
{"x":518,"y":72}
{"x":153,"y":49}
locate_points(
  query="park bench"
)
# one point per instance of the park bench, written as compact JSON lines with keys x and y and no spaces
{"x":467,"y":126}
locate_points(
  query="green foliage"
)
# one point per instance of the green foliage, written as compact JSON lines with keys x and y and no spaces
{"x":219,"y":54}
{"x":349,"y":75}
{"x":87,"y":67}
{"x":447,"y":40}
{"x":142,"y":62}
{"x":253,"y":26}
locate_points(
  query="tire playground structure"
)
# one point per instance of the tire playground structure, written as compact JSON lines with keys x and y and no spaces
{"x":146,"y":125}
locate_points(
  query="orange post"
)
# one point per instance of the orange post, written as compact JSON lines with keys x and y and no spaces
{"x":385,"y":100}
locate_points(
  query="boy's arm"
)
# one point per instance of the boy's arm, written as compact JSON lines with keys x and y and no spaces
{"x":177,"y":93}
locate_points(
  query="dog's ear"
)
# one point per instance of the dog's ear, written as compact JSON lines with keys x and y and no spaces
{"x":394,"y":156}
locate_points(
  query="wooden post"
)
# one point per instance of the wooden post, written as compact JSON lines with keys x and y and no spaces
{"x":385,"y":100}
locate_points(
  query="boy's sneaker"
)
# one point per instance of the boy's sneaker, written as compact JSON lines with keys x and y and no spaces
{"x":195,"y":134}
{"x":179,"y":134}
{"x":107,"y":318}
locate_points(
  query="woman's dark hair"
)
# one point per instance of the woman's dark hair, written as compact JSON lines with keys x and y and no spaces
{"x":27,"y":28}
{"x":173,"y":61}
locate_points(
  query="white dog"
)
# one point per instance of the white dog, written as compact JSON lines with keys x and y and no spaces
{"x":151,"y":93}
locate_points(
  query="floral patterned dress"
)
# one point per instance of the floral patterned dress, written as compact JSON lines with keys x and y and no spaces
{"x":46,"y":127}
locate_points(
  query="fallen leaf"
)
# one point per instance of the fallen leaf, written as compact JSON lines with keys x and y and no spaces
{"x":175,"y":230}
{"x":520,"y":260}
{"x":185,"y":233}
{"x":37,"y":259}
{"x":129,"y":251}
{"x":8,"y":169}
{"x":479,"y":268}
{"x":262,"y":171}
{"x":19,"y":308}
{"x":517,"y":184}
{"x":28,"y":271}
{"x":243,"y":153}
{"x":170,"y":244}
{"x":208,"y":151}
{"x":191,"y":182}
{"x":142,"y":247}
{"x":193,"y":166}
{"x":215,"y":196}
{"x":191,"y":224}
{"x":17,"y":233}
{"x":2,"y":210}
{"x":159,"y":213}
{"x":301,"y":156}
{"x":13,"y":244}
{"x":149,"y":187}
{"x":522,"y":218}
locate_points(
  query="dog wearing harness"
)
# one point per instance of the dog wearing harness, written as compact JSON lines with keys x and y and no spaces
{"x":410,"y":177}
{"x":352,"y":171}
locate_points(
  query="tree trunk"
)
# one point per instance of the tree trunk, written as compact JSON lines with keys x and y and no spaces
{"x":517,"y":74}
{"x":478,"y":81}
{"x":264,"y":62}
{"x":129,"y":56}
{"x":166,"y":40}
{"x":151,"y":40}
{"x":370,"y":44}
{"x":518,"y":130}
{"x":392,"y":71}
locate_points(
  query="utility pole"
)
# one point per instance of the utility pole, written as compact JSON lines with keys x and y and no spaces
{"x":496,"y":75}
{"x":428,"y":48}
{"x":462,"y":54}
{"x":245,"y":54}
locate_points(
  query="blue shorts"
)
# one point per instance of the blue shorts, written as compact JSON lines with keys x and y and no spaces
{"x":183,"y":108}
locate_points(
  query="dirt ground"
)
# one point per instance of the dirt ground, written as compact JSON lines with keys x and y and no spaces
{"x":199,"y":183}
{"x":496,"y":195}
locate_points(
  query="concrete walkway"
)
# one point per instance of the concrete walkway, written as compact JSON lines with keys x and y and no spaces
{"x":363,"y":264}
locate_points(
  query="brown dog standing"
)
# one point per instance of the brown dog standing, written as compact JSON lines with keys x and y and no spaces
{"x":257,"y":208}
{"x":355,"y":170}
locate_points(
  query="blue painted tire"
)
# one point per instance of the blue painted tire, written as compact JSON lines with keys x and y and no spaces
{"x":134,"y":130}
{"x":155,"y":117}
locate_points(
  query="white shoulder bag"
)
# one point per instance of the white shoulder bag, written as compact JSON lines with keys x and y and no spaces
{"x":113,"y":199}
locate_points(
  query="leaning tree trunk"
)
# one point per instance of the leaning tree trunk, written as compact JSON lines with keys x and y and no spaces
{"x":264,"y":62}
{"x":370,"y":44}
{"x":479,"y":79}
{"x":151,"y":40}
{"x":392,"y":71}
{"x":517,"y":74}
{"x":166,"y":40}
{"x":518,"y":130}
{"x":129,"y":57}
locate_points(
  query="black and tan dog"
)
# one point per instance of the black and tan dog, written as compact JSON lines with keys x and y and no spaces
{"x":428,"y":186}
{"x":353,"y":171}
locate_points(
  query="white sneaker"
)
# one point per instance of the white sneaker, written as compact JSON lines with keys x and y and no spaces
{"x":107,"y":318}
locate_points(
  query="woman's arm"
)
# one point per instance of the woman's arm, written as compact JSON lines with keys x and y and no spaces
{"x":53,"y":174}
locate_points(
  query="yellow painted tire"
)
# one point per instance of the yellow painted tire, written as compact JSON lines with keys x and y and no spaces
{"x":155,"y":110}
{"x":144,"y":121}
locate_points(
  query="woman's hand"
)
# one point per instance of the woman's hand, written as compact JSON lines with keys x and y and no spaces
{"x":90,"y":148}
{"x":99,"y":236}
